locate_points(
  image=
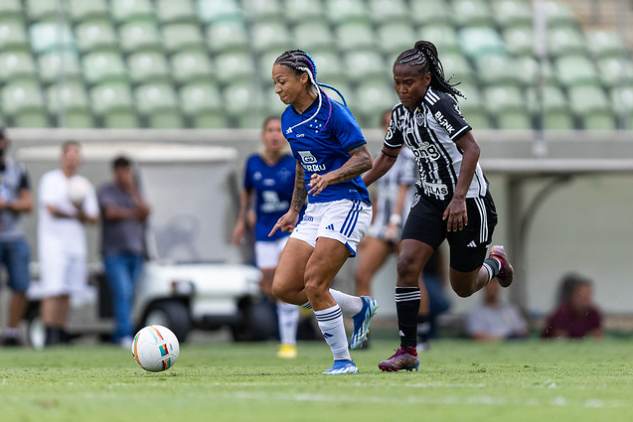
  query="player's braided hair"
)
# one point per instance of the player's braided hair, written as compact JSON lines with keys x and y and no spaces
{"x":301,"y":62}
{"x":424,"y":54}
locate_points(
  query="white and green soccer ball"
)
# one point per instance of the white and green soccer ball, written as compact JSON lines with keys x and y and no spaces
{"x":155,"y":348}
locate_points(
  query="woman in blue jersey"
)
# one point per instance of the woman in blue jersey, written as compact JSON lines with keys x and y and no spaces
{"x":268,"y":184}
{"x":453,"y":201}
{"x":331,"y":154}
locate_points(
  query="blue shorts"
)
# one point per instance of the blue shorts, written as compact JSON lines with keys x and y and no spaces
{"x":15,"y":256}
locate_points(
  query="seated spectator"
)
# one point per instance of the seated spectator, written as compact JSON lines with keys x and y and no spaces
{"x":493,"y":319}
{"x":576,"y":316}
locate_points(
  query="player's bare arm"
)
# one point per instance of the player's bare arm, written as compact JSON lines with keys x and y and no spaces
{"x":455,"y":214}
{"x":359,"y":162}
{"x":382,"y":164}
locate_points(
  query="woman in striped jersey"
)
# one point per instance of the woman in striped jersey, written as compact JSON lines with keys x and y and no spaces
{"x":452,"y":202}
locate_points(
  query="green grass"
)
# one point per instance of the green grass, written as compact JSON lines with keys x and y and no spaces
{"x":458,"y":380}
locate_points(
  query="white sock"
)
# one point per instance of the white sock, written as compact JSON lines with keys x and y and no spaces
{"x":331,"y":324}
{"x":288,"y":316}
{"x":350,"y":305}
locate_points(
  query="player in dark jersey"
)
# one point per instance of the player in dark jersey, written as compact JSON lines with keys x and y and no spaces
{"x":331,"y":154}
{"x":452,"y":202}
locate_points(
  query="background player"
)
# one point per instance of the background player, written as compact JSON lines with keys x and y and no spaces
{"x":331,"y":155}
{"x":268,"y":185}
{"x":453,"y":201}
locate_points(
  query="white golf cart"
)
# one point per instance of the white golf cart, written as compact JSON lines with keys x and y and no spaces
{"x":193,"y":276}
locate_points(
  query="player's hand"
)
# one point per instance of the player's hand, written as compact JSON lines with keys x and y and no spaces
{"x":392,"y":232}
{"x":318,"y":182}
{"x":286,"y":223}
{"x":239,"y":233}
{"x":455,"y":215}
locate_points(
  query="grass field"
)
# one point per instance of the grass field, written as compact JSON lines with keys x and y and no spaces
{"x":458,"y":380}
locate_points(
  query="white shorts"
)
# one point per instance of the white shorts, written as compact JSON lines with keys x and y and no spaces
{"x":267,"y":252}
{"x":346,"y":221}
{"x":62,"y":273}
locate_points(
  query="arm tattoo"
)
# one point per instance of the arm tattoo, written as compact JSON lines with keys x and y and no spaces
{"x":358,"y":163}
{"x":300,"y":193}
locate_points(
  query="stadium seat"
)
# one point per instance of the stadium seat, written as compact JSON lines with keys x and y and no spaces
{"x":240,"y":102}
{"x":265,"y":65}
{"x":387,"y":11}
{"x":95,"y":35}
{"x":555,"y":108}
{"x":615,"y":71}
{"x":313,"y":36}
{"x":103,"y":67}
{"x":497,"y":70}
{"x":362,"y":65}
{"x":528,"y":68}
{"x":370,"y":100}
{"x":49,"y":66}
{"x":565,"y":41}
{"x":430,"y":12}
{"x":129,"y":10}
{"x":622,"y":100}
{"x":472,"y":13}
{"x":271,"y":104}
{"x":158,"y":103}
{"x":76,"y":107}
{"x":227,"y":36}
{"x":13,"y":35}
{"x":181,"y":36}
{"x":16,"y":64}
{"x":192,"y":66}
{"x":559,"y":14}
{"x":604,"y":43}
{"x":346,"y":11}
{"x":212,"y":11}
{"x":479,"y":41}
{"x":82,"y":10}
{"x":472,"y":107}
{"x":148,"y":67}
{"x":42,"y":10}
{"x":45,"y":37}
{"x":591,"y":106}
{"x":181,"y":11}
{"x":443,"y":36}
{"x":395,"y":37}
{"x":299,"y":11}
{"x":113,"y":103}
{"x":11,"y":10}
{"x":507,"y":105}
{"x":202,"y":103}
{"x":270,"y":36}
{"x":329,"y":67}
{"x":234,"y":66}
{"x":22,"y":101}
{"x":519,"y":40}
{"x":139,"y":35}
{"x":511,"y":13}
{"x":261,"y":10}
{"x":355,"y":36}
{"x":457,"y":65}
{"x":575,"y":70}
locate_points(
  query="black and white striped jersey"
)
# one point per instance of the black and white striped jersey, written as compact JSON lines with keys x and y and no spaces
{"x":430,"y":133}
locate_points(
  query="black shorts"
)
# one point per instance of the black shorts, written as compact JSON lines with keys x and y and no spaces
{"x":468,"y":247}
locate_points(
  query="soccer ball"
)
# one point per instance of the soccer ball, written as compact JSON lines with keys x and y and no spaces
{"x":78,"y":189}
{"x":155,"y":348}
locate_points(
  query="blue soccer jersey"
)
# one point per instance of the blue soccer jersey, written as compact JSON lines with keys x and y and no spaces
{"x":321,"y":148}
{"x":273,"y":186}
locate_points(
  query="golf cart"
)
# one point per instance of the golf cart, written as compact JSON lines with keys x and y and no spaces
{"x":193,"y":276}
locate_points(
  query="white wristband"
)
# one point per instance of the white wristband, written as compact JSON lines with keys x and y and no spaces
{"x":395,"y":219}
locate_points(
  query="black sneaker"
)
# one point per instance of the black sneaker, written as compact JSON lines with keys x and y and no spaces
{"x":12,"y":341}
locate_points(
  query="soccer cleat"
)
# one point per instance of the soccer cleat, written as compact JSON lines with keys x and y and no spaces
{"x":287,"y":351}
{"x":506,"y":272}
{"x":404,"y":358}
{"x":342,"y":367}
{"x":361,"y":322}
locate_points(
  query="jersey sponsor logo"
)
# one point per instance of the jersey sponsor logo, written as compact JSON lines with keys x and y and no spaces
{"x":435,"y":188}
{"x":309,"y":162}
{"x":426,"y":151}
{"x":444,"y":123}
{"x":272,"y":203}
{"x":419,"y":118}
{"x":300,"y":135}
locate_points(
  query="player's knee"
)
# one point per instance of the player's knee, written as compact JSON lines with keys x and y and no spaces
{"x":408,"y":270}
{"x":463,"y":291}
